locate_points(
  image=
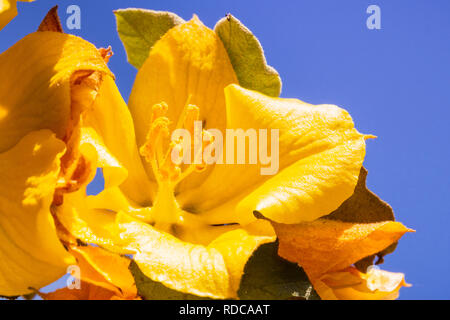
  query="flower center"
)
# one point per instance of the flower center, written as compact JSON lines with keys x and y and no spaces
{"x":169,"y":161}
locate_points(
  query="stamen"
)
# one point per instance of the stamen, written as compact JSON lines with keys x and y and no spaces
{"x":159,"y":110}
{"x":163,"y":166}
{"x":159,"y":130}
{"x":167,"y":170}
{"x":196,"y":166}
{"x":170,"y":169}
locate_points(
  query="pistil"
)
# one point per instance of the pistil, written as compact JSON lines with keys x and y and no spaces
{"x":167,"y":171}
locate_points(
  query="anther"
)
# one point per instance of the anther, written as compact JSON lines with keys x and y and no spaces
{"x":166,"y":165}
{"x":158,"y":110}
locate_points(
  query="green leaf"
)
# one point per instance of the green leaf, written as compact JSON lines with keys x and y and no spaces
{"x":139,"y":29}
{"x":364,"y":206}
{"x":247,"y":57}
{"x":269,"y":277}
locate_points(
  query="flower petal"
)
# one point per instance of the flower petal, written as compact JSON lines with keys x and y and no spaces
{"x":236,"y":248}
{"x":320,"y":157}
{"x":350,"y":284}
{"x":91,"y":218}
{"x":325,"y":245}
{"x":93,"y":226}
{"x":35,"y":87}
{"x":188,"y":61}
{"x":8,"y":11}
{"x":105,"y":269}
{"x":111,"y":120}
{"x":94,"y":150}
{"x":209,"y":271}
{"x":31,"y":254}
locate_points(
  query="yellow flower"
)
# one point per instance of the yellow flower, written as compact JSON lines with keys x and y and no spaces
{"x":42,"y":75}
{"x":8,"y":11}
{"x":192,"y":227}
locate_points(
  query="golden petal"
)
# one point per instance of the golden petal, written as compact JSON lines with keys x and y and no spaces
{"x":320,"y":157}
{"x":35,"y":87}
{"x":188,"y":61}
{"x":211,"y":271}
{"x":31,"y":254}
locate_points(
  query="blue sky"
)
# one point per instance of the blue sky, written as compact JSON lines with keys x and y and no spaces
{"x":395,"y":82}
